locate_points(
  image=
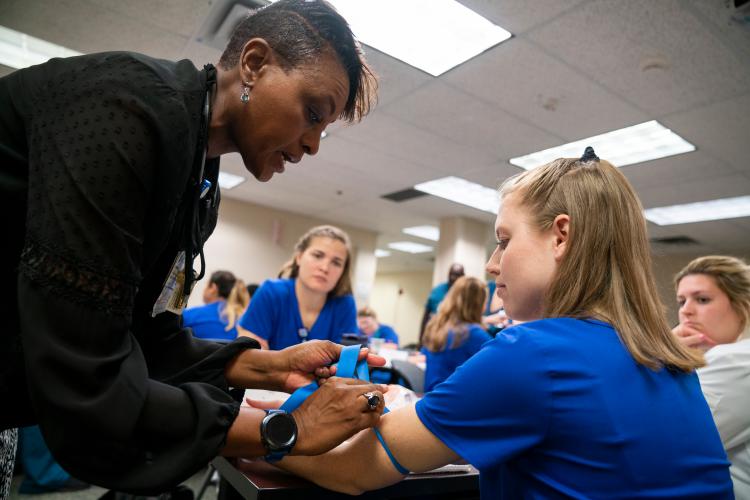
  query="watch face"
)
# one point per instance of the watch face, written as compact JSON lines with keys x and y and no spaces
{"x":281,"y":430}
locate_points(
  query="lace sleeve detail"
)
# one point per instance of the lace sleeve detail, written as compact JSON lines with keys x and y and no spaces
{"x":75,"y":282}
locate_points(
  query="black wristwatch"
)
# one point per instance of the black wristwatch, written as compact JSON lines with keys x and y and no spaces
{"x":278,"y":433}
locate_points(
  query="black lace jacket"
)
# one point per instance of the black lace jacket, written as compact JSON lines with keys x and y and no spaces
{"x":96,"y":157}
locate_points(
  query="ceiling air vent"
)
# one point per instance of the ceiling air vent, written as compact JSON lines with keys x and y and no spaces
{"x":403,"y":195}
{"x":221,"y":20}
{"x":674,"y":240}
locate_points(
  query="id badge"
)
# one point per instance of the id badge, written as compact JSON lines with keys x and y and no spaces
{"x":173,"y":296}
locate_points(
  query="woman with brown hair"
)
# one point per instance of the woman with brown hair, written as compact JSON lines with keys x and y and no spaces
{"x":312,"y":299}
{"x":455,"y":333}
{"x":592,"y":397}
{"x":713,"y":293}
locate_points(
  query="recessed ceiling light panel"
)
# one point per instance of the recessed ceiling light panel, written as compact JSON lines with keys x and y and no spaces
{"x":409,"y":247}
{"x":626,"y":146}
{"x":724,"y":208}
{"x":431,"y":233}
{"x":19,"y":50}
{"x":464,"y":192}
{"x":432,"y":35}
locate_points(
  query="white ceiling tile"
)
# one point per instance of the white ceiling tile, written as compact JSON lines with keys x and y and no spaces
{"x":386,"y":170}
{"x":468,"y":121}
{"x":721,"y":129}
{"x":658,"y":55}
{"x":666,"y":172}
{"x":395,"y":78}
{"x":729,"y":21}
{"x":539,"y":89}
{"x":181,"y":17}
{"x":403,"y":140}
{"x":87,"y":28}
{"x":680,"y":192}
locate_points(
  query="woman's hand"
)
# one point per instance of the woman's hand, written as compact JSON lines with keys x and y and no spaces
{"x":334,"y":413}
{"x":692,"y":337}
{"x":306,"y":362}
{"x":291,"y":368}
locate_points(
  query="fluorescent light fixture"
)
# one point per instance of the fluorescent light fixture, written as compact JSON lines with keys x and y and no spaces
{"x":464,"y":192}
{"x":19,"y":50}
{"x":431,"y":233}
{"x":409,"y":247}
{"x":228,"y":181}
{"x":380,"y":253}
{"x":724,"y":208}
{"x":626,"y":146}
{"x":432,"y":35}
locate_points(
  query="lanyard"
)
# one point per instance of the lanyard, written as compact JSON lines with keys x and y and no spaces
{"x":347,"y":367}
{"x":197,"y":191}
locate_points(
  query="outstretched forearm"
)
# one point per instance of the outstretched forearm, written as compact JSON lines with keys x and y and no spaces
{"x":361,"y":464}
{"x":354,"y":467}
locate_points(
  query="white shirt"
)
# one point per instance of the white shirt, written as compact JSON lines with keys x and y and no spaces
{"x":726,"y":385}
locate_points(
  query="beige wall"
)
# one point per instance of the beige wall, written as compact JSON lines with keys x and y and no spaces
{"x":254,"y":242}
{"x":399,"y":298}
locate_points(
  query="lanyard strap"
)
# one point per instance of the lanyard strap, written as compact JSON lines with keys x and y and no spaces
{"x":347,"y":367}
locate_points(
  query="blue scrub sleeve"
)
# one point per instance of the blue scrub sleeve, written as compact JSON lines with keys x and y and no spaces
{"x":494,"y":406}
{"x":260,"y":315}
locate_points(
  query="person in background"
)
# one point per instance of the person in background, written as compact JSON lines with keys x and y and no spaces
{"x":109,"y":190}
{"x":455,"y":333}
{"x":592,"y":397}
{"x":713,"y":294}
{"x":437,"y":295}
{"x":368,"y":324}
{"x":313,"y":298}
{"x":225,"y":299}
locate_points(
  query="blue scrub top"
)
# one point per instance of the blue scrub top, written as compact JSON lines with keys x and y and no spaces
{"x":436,"y":297}
{"x":274,"y":316}
{"x":207,"y":321}
{"x":442,"y":364}
{"x":558,"y":408}
{"x":384,"y":332}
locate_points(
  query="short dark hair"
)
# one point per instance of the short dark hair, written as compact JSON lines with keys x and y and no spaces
{"x":224,"y":281}
{"x":300,"y":31}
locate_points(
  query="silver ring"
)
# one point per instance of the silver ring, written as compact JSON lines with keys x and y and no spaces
{"x":373,"y":400}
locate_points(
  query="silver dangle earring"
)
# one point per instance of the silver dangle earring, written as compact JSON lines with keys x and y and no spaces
{"x":245,"y":95}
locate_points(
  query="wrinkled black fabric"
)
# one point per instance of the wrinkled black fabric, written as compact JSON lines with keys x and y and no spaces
{"x":96,"y":154}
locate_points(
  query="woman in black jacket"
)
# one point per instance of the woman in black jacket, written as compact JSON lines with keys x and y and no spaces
{"x":109,"y":190}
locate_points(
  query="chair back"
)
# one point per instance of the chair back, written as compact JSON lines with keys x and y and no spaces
{"x":410,"y":372}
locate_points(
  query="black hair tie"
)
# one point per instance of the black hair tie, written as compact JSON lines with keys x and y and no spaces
{"x":589,"y":155}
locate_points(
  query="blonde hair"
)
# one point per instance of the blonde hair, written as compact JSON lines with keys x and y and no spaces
{"x":367,"y":312}
{"x":732,"y":276}
{"x":291,"y":269}
{"x":463,"y":305}
{"x":606,"y":270}
{"x":237,"y":302}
